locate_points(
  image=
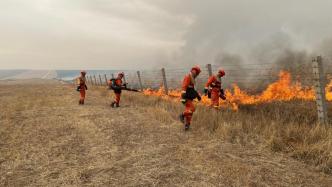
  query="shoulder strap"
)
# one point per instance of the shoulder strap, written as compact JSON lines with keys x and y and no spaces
{"x":218,"y":78}
{"x":192,"y":79}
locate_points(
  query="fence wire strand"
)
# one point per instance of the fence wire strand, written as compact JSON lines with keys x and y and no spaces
{"x":247,"y":76}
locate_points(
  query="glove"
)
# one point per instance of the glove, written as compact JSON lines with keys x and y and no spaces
{"x":183,"y":98}
{"x":223,"y":97}
{"x":205,"y":91}
{"x":125,"y":85}
{"x":199,"y":97}
{"x":86,"y":88}
{"x":222,"y":94}
{"x":78,"y":88}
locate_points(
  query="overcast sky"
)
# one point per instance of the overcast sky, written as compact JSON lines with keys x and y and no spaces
{"x":138,"y":34}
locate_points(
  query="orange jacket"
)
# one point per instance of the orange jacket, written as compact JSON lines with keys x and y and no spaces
{"x":213,"y":82}
{"x":118,"y":82}
{"x":81,"y":81}
{"x":188,"y":82}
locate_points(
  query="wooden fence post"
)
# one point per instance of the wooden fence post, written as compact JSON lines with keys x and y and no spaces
{"x":91,"y":80}
{"x":140,"y":80}
{"x":100,"y":81}
{"x":94,"y":76}
{"x":209,"y":67}
{"x":319,"y":79}
{"x":106,"y":80}
{"x":163,"y":73}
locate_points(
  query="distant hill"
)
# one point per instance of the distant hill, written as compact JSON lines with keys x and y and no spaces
{"x":51,"y":74}
{"x":71,"y":74}
{"x":28,"y":74}
{"x":10,"y":73}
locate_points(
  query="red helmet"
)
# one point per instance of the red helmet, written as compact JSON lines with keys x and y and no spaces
{"x":197,"y":69}
{"x":221,"y":72}
{"x":121,"y":74}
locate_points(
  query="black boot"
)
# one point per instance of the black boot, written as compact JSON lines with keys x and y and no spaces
{"x":187,"y":127}
{"x":113,"y":104}
{"x":82,"y":102}
{"x":117,"y":105}
{"x":181,"y":117}
{"x":79,"y":102}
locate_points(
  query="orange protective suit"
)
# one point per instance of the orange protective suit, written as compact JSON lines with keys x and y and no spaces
{"x":117,"y":92}
{"x":118,"y":82}
{"x":82,"y":88}
{"x":214,"y":82}
{"x":188,"y":83}
{"x":117,"y":98}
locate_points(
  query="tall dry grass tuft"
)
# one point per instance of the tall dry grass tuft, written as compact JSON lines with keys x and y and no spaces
{"x":288,"y":127}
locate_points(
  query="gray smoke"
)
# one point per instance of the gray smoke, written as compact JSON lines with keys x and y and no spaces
{"x":102,"y":34}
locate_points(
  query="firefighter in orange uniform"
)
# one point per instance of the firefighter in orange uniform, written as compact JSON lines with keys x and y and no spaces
{"x":117,"y":85}
{"x":81,"y":87}
{"x":188,"y":95}
{"x":213,"y":89}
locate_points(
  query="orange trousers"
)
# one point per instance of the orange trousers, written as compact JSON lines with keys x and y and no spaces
{"x":117,"y":98}
{"x":82,"y":95}
{"x":215,"y":97}
{"x":189,"y":111}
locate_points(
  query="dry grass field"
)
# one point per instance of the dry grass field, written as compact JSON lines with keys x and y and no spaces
{"x":47,"y":139}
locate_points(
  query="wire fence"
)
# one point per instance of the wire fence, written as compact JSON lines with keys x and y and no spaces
{"x":252,"y":78}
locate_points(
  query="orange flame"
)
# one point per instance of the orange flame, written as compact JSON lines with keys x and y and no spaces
{"x":281,"y":90}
